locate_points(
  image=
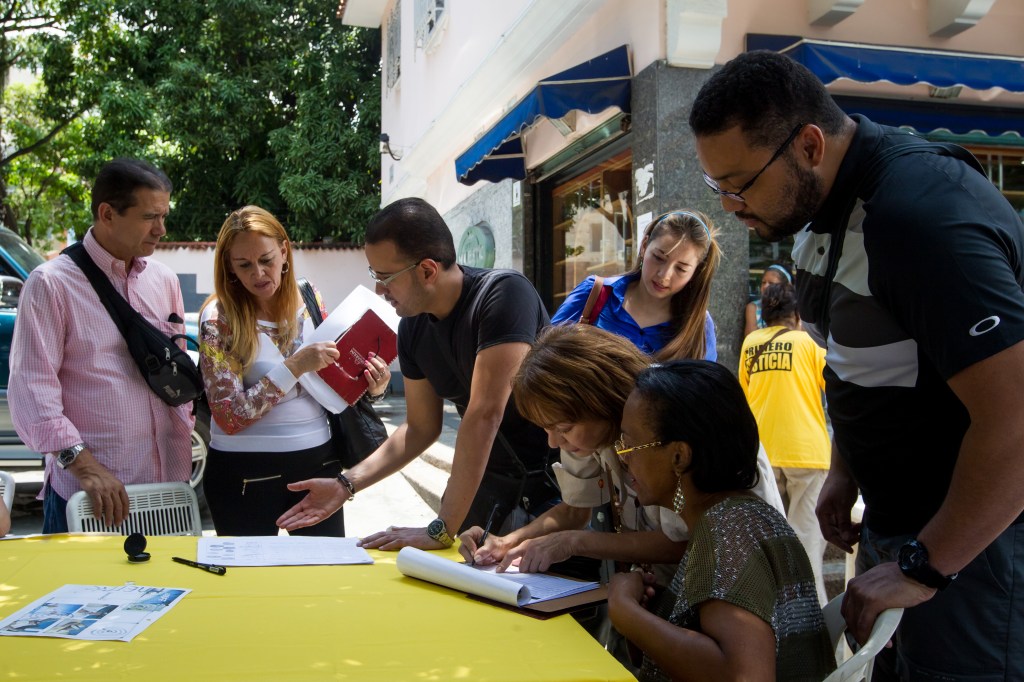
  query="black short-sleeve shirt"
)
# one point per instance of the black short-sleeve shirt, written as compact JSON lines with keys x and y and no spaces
{"x":929,"y":282}
{"x":496,"y":306}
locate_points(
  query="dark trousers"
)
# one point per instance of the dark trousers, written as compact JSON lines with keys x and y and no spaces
{"x":969,"y":632}
{"x":55,"y":508}
{"x":247,"y":491}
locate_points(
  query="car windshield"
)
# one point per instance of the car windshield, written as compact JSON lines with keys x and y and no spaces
{"x":22,"y":253}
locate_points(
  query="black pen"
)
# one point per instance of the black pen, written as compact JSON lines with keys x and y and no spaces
{"x":487,"y":530}
{"x":211,"y":568}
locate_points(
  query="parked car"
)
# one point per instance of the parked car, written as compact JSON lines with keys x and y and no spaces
{"x":17,"y":260}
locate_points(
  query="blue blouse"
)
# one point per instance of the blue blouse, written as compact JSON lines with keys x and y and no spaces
{"x":614,"y":317}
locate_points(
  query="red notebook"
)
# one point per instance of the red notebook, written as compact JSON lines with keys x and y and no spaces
{"x":368,"y":335}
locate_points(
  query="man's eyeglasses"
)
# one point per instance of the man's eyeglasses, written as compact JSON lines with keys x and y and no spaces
{"x":621,"y":449}
{"x":738,"y":194}
{"x":386,"y":281}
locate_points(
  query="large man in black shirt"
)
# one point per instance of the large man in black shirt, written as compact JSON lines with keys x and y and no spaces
{"x":463,"y":335}
{"x":910,"y":267}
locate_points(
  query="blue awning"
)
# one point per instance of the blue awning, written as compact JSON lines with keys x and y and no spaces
{"x":592,"y":86}
{"x":929,"y":117}
{"x":830,"y":61}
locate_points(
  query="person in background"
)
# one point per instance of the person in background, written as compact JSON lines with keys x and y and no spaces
{"x":753,"y":318}
{"x":742,"y":604}
{"x":662,"y":304}
{"x":75,"y":392}
{"x":909,"y":270}
{"x":781,"y":374}
{"x":266,"y":430}
{"x":463,"y":334}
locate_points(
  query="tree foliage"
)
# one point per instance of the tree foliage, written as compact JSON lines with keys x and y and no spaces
{"x":266,"y":102}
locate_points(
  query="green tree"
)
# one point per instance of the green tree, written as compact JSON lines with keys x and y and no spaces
{"x":240,"y":101}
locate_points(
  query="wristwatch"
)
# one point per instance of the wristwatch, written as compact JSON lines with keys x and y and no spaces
{"x":913,"y":561}
{"x":67,"y":456}
{"x":438,"y":531}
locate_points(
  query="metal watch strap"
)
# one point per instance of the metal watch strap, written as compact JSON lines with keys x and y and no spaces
{"x":67,"y":456}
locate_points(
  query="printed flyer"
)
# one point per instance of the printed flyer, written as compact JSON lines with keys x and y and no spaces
{"x":93,"y":612}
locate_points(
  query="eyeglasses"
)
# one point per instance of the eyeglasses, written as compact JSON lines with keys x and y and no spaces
{"x":385,"y":282}
{"x":621,"y":449}
{"x":738,"y":194}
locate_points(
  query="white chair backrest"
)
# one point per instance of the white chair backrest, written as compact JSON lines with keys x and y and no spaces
{"x":7,"y":489}
{"x":154,"y":509}
{"x":858,"y":667}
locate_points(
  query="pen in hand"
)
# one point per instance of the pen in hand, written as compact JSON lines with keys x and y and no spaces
{"x":210,"y":568}
{"x":487,"y":531}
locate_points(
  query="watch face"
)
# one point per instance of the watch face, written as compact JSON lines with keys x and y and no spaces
{"x":435,"y":528}
{"x":912,"y":555}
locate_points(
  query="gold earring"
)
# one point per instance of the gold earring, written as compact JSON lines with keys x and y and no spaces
{"x":678,"y":500}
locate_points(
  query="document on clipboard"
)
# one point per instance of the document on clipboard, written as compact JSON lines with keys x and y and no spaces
{"x":522,"y":590}
{"x":370,"y":318}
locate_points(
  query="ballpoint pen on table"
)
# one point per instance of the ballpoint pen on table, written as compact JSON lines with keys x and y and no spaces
{"x":487,"y":531}
{"x":210,"y":568}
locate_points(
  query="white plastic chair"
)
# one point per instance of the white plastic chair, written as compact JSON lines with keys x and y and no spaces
{"x":154,"y":509}
{"x":7,"y":489}
{"x":858,"y":667}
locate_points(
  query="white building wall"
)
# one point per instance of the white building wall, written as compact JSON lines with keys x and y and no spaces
{"x":514,"y":46}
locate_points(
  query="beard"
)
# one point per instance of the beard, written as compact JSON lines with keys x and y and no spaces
{"x":800,"y":200}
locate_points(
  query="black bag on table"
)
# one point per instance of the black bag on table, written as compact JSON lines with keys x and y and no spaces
{"x":358,"y":430}
{"x":166,"y":368}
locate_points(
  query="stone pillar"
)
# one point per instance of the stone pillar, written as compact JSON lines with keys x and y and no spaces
{"x":663,"y":146}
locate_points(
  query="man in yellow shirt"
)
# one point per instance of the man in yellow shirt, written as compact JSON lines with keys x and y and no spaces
{"x":781,"y":373}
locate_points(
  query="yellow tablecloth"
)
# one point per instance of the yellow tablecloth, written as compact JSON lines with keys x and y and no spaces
{"x":284,"y":623}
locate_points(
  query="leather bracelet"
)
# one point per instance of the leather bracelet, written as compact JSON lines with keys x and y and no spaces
{"x":343,"y":479}
{"x":377,"y":398}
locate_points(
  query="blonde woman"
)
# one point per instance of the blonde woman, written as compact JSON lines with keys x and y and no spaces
{"x":662,"y":304}
{"x":266,"y":430}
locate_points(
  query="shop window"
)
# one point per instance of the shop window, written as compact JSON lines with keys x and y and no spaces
{"x":593,"y":228}
{"x":1005,"y":168}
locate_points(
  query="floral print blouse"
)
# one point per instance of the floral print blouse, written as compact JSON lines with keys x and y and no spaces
{"x":233,"y":406}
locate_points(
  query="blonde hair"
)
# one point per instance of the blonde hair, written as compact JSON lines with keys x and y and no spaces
{"x":689,"y":306}
{"x":577,"y":372}
{"x":235,"y":305}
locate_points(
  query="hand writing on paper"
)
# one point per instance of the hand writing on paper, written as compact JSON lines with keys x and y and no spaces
{"x":537,"y":554}
{"x":491,"y":552}
{"x":395,"y":538}
{"x":326,"y":495}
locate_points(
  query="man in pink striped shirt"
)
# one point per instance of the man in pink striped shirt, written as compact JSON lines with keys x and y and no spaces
{"x":75,"y":391}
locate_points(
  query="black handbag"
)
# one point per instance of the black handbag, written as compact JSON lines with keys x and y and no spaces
{"x":166,"y":368}
{"x":356,"y":431}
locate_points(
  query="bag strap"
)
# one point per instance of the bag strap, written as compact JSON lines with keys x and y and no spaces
{"x":595,"y":301}
{"x":763,"y":347}
{"x":309,"y":298}
{"x":839,"y":230}
{"x":121,"y":312}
